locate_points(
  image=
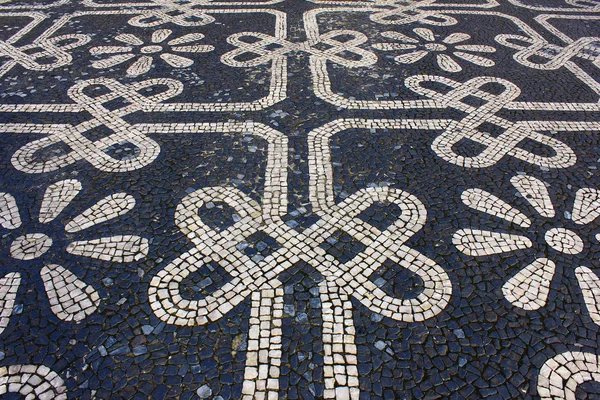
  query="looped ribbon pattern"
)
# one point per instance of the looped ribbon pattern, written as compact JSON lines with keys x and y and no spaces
{"x":264,"y":48}
{"x":97,"y":151}
{"x":249,"y":276}
{"x":587,"y":48}
{"x":407,"y":12}
{"x":52,"y":53}
{"x":471,"y":126}
{"x":175,"y":12}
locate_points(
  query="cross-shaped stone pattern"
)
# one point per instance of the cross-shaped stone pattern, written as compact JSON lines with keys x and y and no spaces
{"x":299,"y":199}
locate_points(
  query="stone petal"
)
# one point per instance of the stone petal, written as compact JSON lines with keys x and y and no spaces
{"x":411,"y":57}
{"x":475,"y":59}
{"x":474,"y":242}
{"x":129,"y":39}
{"x":587,"y":206}
{"x":535,"y":192}
{"x":425,"y":33}
{"x":160,"y":35}
{"x":448,"y":64}
{"x":189,"y":38}
{"x":457,"y":37}
{"x":399,"y":37}
{"x":119,"y":249}
{"x":140,"y":66}
{"x":486,"y":202}
{"x":98,"y":50}
{"x":9,"y":285}
{"x":476,"y":48}
{"x":57,"y":197}
{"x":9,"y":212}
{"x":71,"y":299}
{"x":530,"y":287}
{"x":194,"y":48}
{"x":590,"y":288}
{"x":112,"y":61}
{"x":176,"y":61}
{"x":104,"y":210}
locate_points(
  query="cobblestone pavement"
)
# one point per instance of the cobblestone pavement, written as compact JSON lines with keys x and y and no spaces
{"x":262,"y":199}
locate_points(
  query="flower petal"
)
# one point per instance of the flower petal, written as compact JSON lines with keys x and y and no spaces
{"x":587,"y":206}
{"x":129,"y":39}
{"x":57,"y":197}
{"x":486,"y":202}
{"x":160,"y":35}
{"x":412,"y":57}
{"x":71,"y":299}
{"x":140,"y":67}
{"x":530,"y":287}
{"x":9,"y":285}
{"x":535,"y":192}
{"x":399,"y":37}
{"x":189,"y":38}
{"x":112,"y":61}
{"x":475,"y":59}
{"x":590,"y":288}
{"x":109,"y":49}
{"x":196,"y":48}
{"x":30,"y":246}
{"x":393,"y":46}
{"x":119,"y":249}
{"x":477,"y":48}
{"x":446,"y":63}
{"x":457,"y":38}
{"x":474,"y":242}
{"x":104,"y":210}
{"x":425,"y":33}
{"x":176,"y":61}
{"x":9,"y":212}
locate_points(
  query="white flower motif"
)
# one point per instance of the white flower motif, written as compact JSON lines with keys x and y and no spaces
{"x":425,"y":43}
{"x":530,"y":287}
{"x":70,"y":298}
{"x":135,"y":48}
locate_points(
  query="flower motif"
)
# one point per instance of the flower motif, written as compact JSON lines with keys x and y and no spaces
{"x":425,"y":43}
{"x":530,"y":287}
{"x":135,"y":48}
{"x":70,"y":298}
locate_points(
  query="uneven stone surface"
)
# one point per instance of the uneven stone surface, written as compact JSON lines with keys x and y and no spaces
{"x":263,"y":199}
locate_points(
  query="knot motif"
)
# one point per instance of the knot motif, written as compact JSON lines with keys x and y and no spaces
{"x":587,"y":48}
{"x":104,"y":115}
{"x":259,"y":278}
{"x":52,"y":53}
{"x":176,"y":12}
{"x":265,"y":48}
{"x":249,"y":276}
{"x":407,"y":12}
{"x":481,"y":106}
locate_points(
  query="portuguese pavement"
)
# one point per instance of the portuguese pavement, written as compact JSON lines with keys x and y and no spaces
{"x":299,"y":199}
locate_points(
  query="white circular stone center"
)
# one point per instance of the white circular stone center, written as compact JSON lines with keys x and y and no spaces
{"x":435,"y":47}
{"x":30,"y":246}
{"x":151,"y":49}
{"x":564,"y":240}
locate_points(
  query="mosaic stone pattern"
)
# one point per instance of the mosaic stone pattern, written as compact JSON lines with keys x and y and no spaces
{"x":299,"y":199}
